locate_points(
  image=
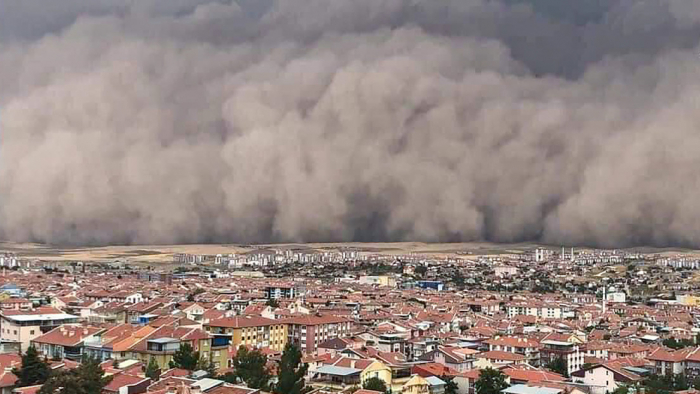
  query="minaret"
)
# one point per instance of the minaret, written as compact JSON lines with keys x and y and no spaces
{"x":604,"y":289}
{"x":572,"y":253}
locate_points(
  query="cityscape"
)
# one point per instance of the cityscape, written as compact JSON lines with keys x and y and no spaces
{"x":349,"y":197}
{"x":539,"y":319}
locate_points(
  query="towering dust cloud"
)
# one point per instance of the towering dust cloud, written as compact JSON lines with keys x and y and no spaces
{"x":171,"y":121}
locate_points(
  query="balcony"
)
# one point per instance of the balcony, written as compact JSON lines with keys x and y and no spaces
{"x":163,"y":345}
{"x":221,"y":340}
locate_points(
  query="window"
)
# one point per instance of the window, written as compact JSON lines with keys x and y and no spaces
{"x":31,"y":332}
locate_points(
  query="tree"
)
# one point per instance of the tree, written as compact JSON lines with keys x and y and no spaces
{"x":273,"y":303}
{"x":251,"y":367}
{"x":229,"y":377}
{"x":375,"y":384}
{"x":621,"y":390}
{"x":673,"y":343}
{"x":195,"y":293}
{"x":458,"y":279}
{"x":558,"y":365}
{"x":450,"y":385}
{"x":33,"y":371}
{"x":491,"y":381}
{"x":420,"y":270}
{"x":152,"y":369}
{"x":206,"y":365}
{"x":185,"y":357}
{"x":291,"y":372}
{"x":88,"y":378}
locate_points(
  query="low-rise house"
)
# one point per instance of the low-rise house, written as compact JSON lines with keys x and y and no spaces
{"x":449,"y":357}
{"x":497,"y":358}
{"x":608,"y":377}
{"x":65,"y":341}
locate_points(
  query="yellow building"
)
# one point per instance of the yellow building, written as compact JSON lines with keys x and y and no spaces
{"x":688,"y":300}
{"x":394,"y":378}
{"x":162,"y":343}
{"x":253,"y":331}
{"x":416,"y":385}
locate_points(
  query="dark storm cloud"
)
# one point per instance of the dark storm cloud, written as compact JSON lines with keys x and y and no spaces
{"x":325,"y":120}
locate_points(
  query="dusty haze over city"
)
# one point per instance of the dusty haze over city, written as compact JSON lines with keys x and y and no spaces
{"x":260,"y":121}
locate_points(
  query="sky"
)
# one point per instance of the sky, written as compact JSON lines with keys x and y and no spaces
{"x":260,"y":121}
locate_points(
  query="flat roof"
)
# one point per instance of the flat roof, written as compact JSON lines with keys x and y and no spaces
{"x":50,"y":316}
{"x":637,"y":370}
{"x":207,"y":383}
{"x":558,"y":343}
{"x":164,"y":340}
{"x":338,"y":371}
{"x":523,"y":389}
{"x":435,"y":381}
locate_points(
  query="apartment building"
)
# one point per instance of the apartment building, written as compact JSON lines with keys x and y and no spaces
{"x":524,"y":346}
{"x":534,"y":308}
{"x":247,"y":330}
{"x":24,"y":326}
{"x":309,"y":331}
{"x":283,"y":291}
{"x":568,"y":351}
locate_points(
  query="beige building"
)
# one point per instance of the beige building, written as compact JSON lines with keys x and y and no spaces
{"x":24,"y":326}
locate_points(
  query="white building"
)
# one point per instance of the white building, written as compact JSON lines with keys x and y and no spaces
{"x":616,"y":297}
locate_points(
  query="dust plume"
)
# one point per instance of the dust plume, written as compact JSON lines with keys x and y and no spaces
{"x":179,"y":121}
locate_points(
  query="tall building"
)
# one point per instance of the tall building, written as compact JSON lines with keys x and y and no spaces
{"x":252,"y":331}
{"x":24,"y":326}
{"x":307,"y":332}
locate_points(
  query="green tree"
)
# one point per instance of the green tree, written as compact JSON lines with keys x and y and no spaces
{"x":251,"y":367}
{"x":33,"y":371}
{"x":420,"y":270}
{"x":659,"y":384}
{"x":674,"y":343}
{"x":450,"y":385}
{"x":185,"y":357}
{"x":191,"y":297}
{"x":491,"y":381}
{"x":291,"y":372}
{"x":375,"y":384}
{"x":152,"y":369}
{"x":88,"y":378}
{"x":229,"y":377}
{"x":621,"y":390}
{"x":680,"y":382}
{"x":206,"y":365}
{"x":273,"y":303}
{"x":558,"y":365}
